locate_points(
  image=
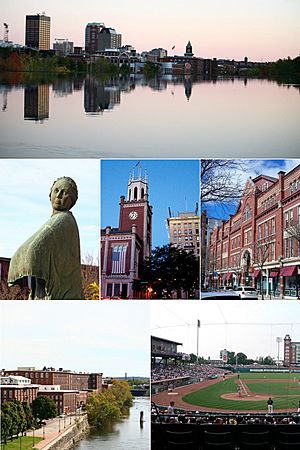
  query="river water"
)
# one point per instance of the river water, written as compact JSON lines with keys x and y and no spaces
{"x":124,"y":434}
{"x":173,"y":117}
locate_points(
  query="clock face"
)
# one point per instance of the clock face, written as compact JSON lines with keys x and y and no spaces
{"x":133,"y":215}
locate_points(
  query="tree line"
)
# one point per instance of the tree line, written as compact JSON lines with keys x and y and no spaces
{"x":108,"y":405}
{"x":17,"y":417}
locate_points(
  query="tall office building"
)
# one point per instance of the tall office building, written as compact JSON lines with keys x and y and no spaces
{"x":109,"y":38}
{"x":37,"y":33}
{"x":92,"y":31}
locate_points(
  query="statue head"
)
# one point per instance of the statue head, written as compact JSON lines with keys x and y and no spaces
{"x":63,"y":194}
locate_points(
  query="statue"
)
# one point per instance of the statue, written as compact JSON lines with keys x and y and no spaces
{"x":51,"y":257}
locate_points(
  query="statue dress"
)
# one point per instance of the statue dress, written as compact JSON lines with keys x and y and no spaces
{"x":52,"y":258}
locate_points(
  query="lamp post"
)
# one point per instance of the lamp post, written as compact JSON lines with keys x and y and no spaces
{"x":33,"y":438}
{"x":59,"y":424}
{"x":43,"y":431}
{"x":278,"y":340}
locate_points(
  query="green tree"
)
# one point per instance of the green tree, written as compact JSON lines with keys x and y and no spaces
{"x":241,"y":358}
{"x":30,"y":420}
{"x":10,"y":409}
{"x":151,"y":69}
{"x":171,"y":270}
{"x":44,"y":408}
{"x":102,"y":408}
{"x":6,"y":425}
{"x":121,"y":391}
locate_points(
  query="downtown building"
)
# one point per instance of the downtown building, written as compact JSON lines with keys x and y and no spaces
{"x":37,"y":31}
{"x":291,"y":352}
{"x":259,"y":245}
{"x":92,"y":31}
{"x":184,"y":232}
{"x":124,"y":249}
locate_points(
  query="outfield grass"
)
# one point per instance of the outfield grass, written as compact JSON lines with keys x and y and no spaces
{"x":26,"y":442}
{"x":270,"y":376}
{"x":274,"y":388}
{"x":210,"y":397}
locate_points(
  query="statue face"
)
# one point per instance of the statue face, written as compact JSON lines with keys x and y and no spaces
{"x":61,"y":198}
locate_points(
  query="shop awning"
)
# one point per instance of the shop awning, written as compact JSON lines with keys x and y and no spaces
{"x":274,"y":274}
{"x":289,"y":271}
{"x":256,"y":273}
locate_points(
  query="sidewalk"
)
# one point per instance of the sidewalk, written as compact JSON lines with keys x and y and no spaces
{"x":268,"y":297}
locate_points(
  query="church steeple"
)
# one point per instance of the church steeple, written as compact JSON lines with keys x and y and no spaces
{"x":137,"y":186}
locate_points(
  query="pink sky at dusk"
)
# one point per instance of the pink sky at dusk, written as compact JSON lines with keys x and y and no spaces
{"x":259,"y":29}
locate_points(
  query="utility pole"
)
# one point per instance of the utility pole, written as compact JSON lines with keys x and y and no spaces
{"x":198,"y":326}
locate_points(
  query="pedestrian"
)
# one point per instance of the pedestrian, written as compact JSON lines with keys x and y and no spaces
{"x":298,"y":407}
{"x":270,"y":405}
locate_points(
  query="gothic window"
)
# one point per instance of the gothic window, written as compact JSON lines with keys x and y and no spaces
{"x":129,"y":195}
{"x":142,"y":193}
{"x":135,"y":193}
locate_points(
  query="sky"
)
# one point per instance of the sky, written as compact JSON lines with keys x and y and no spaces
{"x":260,"y":30}
{"x":172,"y":183}
{"x":108,"y":337}
{"x":250,"y":327}
{"x":254,"y":167}
{"x":25,"y":203}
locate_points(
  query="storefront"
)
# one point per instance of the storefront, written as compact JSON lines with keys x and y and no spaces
{"x":290,"y":276}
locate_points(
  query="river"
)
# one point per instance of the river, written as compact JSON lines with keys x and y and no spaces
{"x":123,"y":434}
{"x":79,"y":117}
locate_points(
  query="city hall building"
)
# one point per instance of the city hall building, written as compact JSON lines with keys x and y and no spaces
{"x":260,"y":244}
{"x":124,"y":249}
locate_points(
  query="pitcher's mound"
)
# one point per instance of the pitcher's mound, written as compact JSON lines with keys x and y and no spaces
{"x":252,"y":397}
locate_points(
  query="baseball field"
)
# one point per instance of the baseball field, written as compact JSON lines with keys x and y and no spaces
{"x":249,"y":392}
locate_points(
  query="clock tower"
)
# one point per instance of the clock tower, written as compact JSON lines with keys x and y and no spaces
{"x":137,"y":211}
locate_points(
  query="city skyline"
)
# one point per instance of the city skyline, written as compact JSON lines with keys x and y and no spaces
{"x":261,"y":31}
{"x":248,"y":326}
{"x":172,"y":183}
{"x":97,"y":338}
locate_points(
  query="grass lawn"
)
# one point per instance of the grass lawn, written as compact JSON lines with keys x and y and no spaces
{"x":270,"y":376}
{"x":211,"y":396}
{"x":26,"y":442}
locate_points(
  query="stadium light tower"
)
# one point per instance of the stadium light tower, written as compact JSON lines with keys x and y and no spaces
{"x":198,"y":326}
{"x":278,"y":340}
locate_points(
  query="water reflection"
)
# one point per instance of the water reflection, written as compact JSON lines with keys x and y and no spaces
{"x":169,"y":116}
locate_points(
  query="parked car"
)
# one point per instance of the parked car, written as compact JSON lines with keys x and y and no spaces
{"x":219,"y":295}
{"x":227,"y":288}
{"x":246,"y":292}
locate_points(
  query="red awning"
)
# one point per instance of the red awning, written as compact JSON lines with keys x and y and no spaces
{"x":274,"y":274}
{"x":289,"y":271}
{"x":256,"y":273}
{"x":229,"y":276}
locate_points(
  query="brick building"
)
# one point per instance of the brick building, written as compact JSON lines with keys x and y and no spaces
{"x":66,"y":379}
{"x":260,"y":244}
{"x":123,"y":249}
{"x":67,"y":401}
{"x":184,"y":231}
{"x":291,"y":352}
{"x":19,"y":388}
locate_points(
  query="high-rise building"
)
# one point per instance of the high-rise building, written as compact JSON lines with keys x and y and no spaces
{"x":184,"y":231}
{"x":124,"y":249}
{"x":37,"y":33}
{"x":92,"y":31}
{"x":291,"y":352}
{"x":63,"y":47}
{"x":109,"y":38}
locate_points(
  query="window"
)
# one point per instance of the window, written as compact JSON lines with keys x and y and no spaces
{"x":117,"y":290}
{"x":266,"y":229}
{"x":286,"y":247}
{"x":272,"y":251}
{"x":273,"y":226}
{"x":291,"y":217}
{"x":259,"y":231}
{"x":109,"y":290}
{"x":291,"y":246}
{"x":286,"y":219}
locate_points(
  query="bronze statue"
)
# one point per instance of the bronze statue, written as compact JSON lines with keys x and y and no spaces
{"x":51,"y":257}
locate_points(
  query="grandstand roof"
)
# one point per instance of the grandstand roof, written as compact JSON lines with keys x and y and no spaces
{"x":166,"y":340}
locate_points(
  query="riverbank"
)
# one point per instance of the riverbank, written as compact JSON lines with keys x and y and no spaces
{"x":64,"y":436}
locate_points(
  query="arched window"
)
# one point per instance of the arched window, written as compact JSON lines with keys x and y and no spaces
{"x":142,"y":192}
{"x":135,"y":193}
{"x":129,"y":195}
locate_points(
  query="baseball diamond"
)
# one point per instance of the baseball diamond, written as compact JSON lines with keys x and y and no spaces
{"x":248,"y":393}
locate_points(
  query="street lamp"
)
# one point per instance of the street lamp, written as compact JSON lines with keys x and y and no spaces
{"x":198,"y":326}
{"x":33,"y":438}
{"x":43,"y":431}
{"x":278,"y":340}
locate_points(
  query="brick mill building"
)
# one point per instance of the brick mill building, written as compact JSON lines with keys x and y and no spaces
{"x":260,"y":244}
{"x":69,"y":390}
{"x":124,"y":249}
{"x":291,"y":352}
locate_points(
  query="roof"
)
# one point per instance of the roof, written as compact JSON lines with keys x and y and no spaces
{"x":166,"y":340}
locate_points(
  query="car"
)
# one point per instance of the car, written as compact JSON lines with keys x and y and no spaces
{"x":227,"y":288}
{"x":246,"y":292}
{"x":219,"y":295}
